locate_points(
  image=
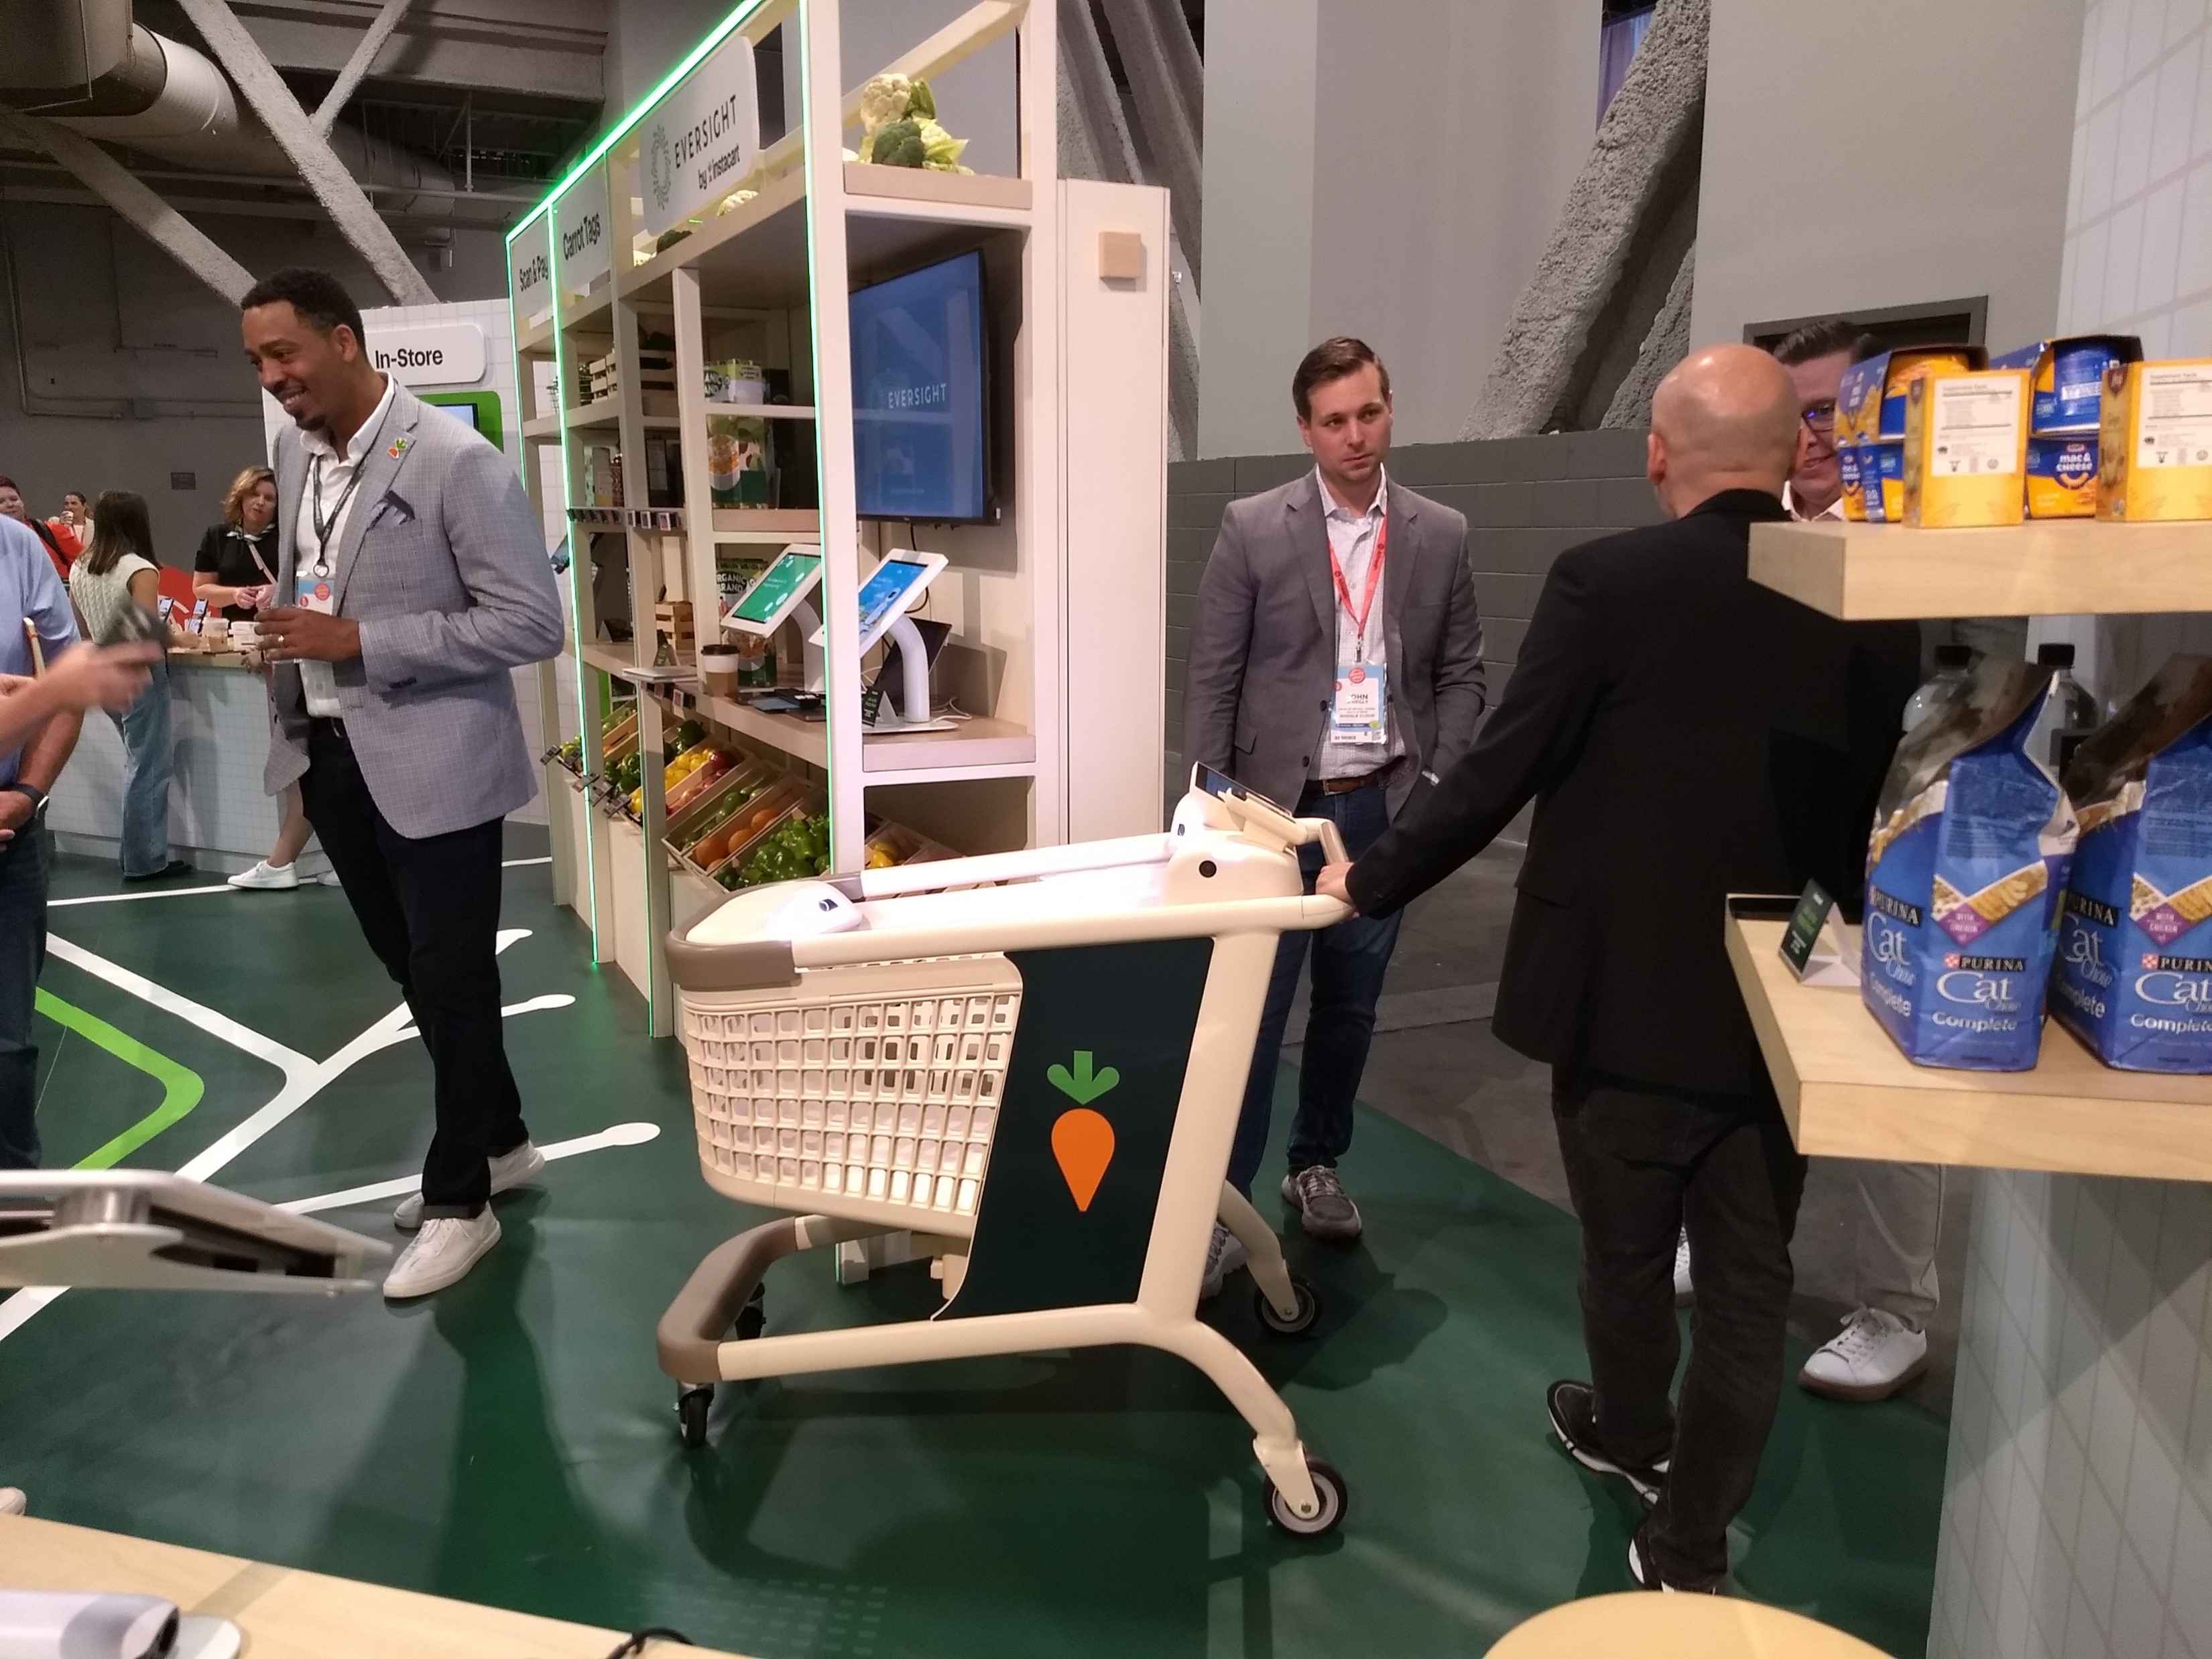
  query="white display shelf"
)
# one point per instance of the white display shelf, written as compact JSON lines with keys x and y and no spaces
{"x":2044,"y":568}
{"x":1849,"y":1092}
{"x":607,"y":411}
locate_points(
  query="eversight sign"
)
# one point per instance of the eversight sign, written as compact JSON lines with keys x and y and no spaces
{"x":702,"y":138}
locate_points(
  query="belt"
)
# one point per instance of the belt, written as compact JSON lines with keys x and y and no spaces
{"x":1381,"y":774}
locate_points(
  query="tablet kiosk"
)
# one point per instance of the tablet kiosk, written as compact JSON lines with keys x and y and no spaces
{"x":782,"y":588}
{"x":892,"y":588}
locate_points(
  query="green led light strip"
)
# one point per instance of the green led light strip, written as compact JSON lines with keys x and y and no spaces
{"x":697,"y":55}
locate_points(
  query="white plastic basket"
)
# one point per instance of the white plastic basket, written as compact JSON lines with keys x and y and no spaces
{"x":868,"y":1092}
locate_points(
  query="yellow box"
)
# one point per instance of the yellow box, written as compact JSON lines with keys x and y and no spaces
{"x":1966,"y":447}
{"x":2061,"y":476}
{"x":2154,"y":447}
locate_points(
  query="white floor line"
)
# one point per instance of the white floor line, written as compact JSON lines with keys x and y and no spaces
{"x":621,"y":1134}
{"x":517,"y":864}
{"x":304,"y":1079}
{"x":126,"y":898}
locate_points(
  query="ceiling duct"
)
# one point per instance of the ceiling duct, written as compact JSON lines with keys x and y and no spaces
{"x":169,"y":100}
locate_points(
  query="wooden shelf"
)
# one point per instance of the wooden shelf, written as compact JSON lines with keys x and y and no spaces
{"x":545,"y":428}
{"x":766,"y":524}
{"x":1849,"y":1092}
{"x":536,"y":338}
{"x":768,"y":411}
{"x":2046,"y":567}
{"x":608,"y":412}
{"x":975,"y":748}
{"x":946,"y":192}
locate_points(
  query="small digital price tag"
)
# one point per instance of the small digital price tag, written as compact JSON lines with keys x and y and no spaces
{"x":1814,"y":944}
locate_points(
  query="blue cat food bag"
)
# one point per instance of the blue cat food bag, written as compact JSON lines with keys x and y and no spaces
{"x":2135,"y":942}
{"x":1971,"y":843}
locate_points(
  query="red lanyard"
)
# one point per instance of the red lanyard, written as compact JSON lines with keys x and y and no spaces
{"x":1374,"y":581}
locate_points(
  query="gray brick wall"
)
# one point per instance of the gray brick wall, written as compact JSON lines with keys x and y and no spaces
{"x":1527,"y":500}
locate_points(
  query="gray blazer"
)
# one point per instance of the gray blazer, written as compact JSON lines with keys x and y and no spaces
{"x":1262,"y":659}
{"x":442,"y":563}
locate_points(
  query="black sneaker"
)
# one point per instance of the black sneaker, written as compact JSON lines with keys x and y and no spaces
{"x":1573,"y":1411}
{"x":1645,"y":1571}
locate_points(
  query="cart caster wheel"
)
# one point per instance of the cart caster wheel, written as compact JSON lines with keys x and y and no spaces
{"x":692,"y":1406}
{"x":1300,"y":1323}
{"x":752,"y":1318}
{"x":1329,"y":1487}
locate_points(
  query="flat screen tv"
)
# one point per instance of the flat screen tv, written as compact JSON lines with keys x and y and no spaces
{"x":920,"y":395}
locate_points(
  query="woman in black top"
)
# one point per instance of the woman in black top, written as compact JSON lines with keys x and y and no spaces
{"x":239,"y":555}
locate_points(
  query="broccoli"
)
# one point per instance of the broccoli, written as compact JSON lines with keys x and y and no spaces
{"x":899,"y":144}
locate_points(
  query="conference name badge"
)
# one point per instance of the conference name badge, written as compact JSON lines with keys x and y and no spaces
{"x":1357,"y":712}
{"x":316,"y":593}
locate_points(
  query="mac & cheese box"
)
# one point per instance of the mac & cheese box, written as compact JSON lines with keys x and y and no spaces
{"x":1966,"y":442}
{"x":1870,"y":407}
{"x":2154,"y":448}
{"x":2068,"y":393}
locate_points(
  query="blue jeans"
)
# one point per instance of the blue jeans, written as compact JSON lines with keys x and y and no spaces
{"x":22,"y":954}
{"x":1349,"y":962}
{"x":148,"y":758}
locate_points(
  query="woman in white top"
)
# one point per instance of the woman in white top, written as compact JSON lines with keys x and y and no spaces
{"x":116,"y":571}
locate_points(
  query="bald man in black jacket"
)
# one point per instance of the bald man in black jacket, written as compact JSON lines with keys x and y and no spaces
{"x":1685,"y":734}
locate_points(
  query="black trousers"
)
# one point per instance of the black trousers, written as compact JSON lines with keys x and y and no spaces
{"x":1642,"y":1162}
{"x":430,"y":908}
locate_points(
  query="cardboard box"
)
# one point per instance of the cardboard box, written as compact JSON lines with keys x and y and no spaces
{"x":1966,"y":447}
{"x":2062,"y":477}
{"x":2154,"y":448}
{"x":1870,"y":411}
{"x":2070,"y":378}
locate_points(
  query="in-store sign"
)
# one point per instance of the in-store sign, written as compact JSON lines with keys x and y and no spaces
{"x":433,"y":353}
{"x":583,"y":229}
{"x":702,"y":139}
{"x":533,"y":276}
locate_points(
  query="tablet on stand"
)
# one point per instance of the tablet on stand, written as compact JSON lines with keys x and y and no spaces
{"x":892,"y":589}
{"x":782,"y":595}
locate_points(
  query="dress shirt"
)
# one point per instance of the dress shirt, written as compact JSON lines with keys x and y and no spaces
{"x":1351,"y":537}
{"x":335,"y":475}
{"x":29,"y":590}
{"x":1835,"y":508}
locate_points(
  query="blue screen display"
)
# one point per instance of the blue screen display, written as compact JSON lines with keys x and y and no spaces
{"x":919,"y":401}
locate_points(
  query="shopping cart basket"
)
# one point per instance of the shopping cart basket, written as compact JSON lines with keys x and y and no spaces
{"x":1033,"y":1063}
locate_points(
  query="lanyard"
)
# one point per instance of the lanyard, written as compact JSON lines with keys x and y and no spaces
{"x":1374,"y":582}
{"x":323,"y":524}
{"x":253,"y":550}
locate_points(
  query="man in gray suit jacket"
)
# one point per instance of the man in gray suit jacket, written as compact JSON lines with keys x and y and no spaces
{"x":1335,"y":666}
{"x":411,"y":580}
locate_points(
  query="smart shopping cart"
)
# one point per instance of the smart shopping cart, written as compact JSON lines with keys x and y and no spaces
{"x":1030,"y":1061}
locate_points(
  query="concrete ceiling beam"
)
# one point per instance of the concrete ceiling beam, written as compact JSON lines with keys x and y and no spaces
{"x":255,"y":76}
{"x":146,"y":213}
{"x":358,"y":66}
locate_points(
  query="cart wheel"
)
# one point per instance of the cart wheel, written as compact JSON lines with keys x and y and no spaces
{"x":1328,"y":1486}
{"x":1300,"y":1323}
{"x":692,"y":1406}
{"x":752,"y":1318}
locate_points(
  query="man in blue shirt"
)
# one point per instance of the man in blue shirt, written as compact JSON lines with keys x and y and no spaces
{"x":30,"y":594}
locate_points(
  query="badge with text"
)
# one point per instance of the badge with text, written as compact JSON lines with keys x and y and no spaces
{"x":1358,"y":713}
{"x":1814,"y":944}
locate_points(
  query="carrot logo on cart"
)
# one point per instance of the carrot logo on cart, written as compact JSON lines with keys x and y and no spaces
{"x":1082,"y":1140}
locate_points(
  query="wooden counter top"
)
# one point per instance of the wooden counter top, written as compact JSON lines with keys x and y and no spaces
{"x":1849,"y":1092}
{"x":289,"y":1614}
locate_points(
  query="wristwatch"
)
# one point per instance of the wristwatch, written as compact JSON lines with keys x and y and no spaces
{"x":37,"y":799}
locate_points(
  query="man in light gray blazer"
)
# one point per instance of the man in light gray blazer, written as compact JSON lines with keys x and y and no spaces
{"x":1335,"y":666}
{"x":412,"y":580}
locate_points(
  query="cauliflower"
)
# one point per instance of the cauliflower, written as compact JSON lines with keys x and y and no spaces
{"x":885,"y":99}
{"x":942,"y":148}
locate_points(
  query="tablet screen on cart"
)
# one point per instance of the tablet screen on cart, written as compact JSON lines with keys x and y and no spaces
{"x":1220,"y":783}
{"x":779,"y":592}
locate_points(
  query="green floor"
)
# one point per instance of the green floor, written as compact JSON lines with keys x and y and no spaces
{"x":511,"y":1441}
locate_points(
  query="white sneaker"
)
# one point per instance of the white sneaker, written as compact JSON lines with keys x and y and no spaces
{"x":442,"y":1255}
{"x":266,"y":877}
{"x":1875,"y":1355}
{"x":1683,"y":1295}
{"x":508,"y":1171}
{"x":1223,"y":1256}
{"x":12,"y":1501}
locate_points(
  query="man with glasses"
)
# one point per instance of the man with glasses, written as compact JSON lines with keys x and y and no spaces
{"x":1816,"y":358}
